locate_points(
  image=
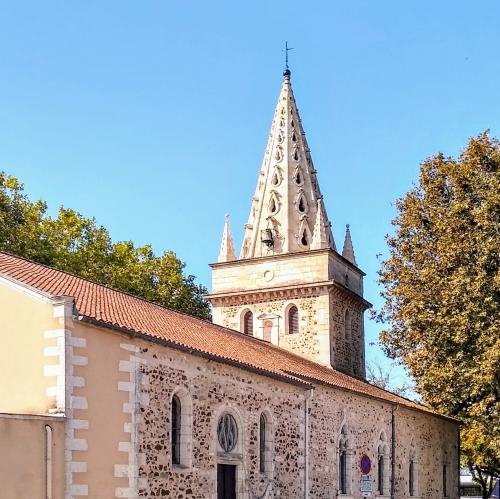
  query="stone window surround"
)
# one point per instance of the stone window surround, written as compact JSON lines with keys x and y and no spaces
{"x":345,"y":440}
{"x":242,"y":320}
{"x":285,"y":314}
{"x":186,"y":454}
{"x":382,"y":449}
{"x":269,"y":448}
{"x":412,"y":455}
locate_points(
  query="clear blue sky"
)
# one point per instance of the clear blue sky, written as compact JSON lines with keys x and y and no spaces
{"x":152,"y":116}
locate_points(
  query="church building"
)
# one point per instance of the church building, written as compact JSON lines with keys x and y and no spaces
{"x":105,"y":395}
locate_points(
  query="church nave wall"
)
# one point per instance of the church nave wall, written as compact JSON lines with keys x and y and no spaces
{"x":367,"y":425}
{"x":214,"y":389}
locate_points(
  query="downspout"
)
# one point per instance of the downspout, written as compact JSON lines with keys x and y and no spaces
{"x":308,"y":397}
{"x":48,"y":461}
{"x":393,"y":448}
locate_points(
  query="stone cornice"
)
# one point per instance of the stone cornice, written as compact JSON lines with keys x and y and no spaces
{"x":269,"y":294}
{"x":281,"y":293}
{"x":284,"y":256}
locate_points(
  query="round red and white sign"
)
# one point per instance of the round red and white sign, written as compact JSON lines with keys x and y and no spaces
{"x":365,"y":464}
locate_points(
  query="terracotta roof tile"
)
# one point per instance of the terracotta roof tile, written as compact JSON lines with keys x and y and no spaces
{"x":112,"y":308}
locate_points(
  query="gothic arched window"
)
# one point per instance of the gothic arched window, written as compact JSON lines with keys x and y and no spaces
{"x":343,"y":462}
{"x":293,"y":320}
{"x":382,"y":464}
{"x":176,"y":430}
{"x":265,"y":442}
{"x":445,"y":480}
{"x":412,"y":471}
{"x":248,"y":323}
{"x":181,"y":428}
{"x":262,"y":443}
{"x":411,"y":477}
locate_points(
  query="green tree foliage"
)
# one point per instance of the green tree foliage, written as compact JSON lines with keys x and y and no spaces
{"x":442,"y":293}
{"x":78,"y":245}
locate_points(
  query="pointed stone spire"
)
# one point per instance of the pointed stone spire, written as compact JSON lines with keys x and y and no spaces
{"x":287,"y":193}
{"x":226,"y":253}
{"x":322,"y":235}
{"x":348,"y":250}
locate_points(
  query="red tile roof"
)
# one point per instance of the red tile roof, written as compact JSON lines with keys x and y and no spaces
{"x":117,"y":310}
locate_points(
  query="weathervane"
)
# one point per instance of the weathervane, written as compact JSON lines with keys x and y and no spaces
{"x":287,"y":49}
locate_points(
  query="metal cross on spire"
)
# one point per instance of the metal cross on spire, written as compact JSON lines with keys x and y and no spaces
{"x":287,"y":49}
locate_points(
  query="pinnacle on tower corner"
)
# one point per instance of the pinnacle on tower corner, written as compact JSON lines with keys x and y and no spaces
{"x":226,"y":253}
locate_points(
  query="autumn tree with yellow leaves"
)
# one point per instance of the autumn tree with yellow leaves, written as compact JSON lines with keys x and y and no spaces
{"x":441,"y":286}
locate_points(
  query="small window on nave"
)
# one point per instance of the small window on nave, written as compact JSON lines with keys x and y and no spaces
{"x":248,"y":323}
{"x":176,"y":430}
{"x":262,"y":443}
{"x":181,"y":429}
{"x":382,"y":464}
{"x":411,"y":477}
{"x":265,"y":442}
{"x":293,"y":320}
{"x":343,"y":464}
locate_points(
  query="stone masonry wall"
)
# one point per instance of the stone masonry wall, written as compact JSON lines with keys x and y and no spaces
{"x":347,"y":352}
{"x":212,"y":389}
{"x":313,"y":339}
{"x":433,"y":440}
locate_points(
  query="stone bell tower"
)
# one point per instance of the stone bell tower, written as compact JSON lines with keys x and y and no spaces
{"x":290,"y":286}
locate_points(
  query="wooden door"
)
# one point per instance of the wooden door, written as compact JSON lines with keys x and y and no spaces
{"x":226,"y":481}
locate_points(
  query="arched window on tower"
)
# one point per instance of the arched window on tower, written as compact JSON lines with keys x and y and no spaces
{"x":248,"y":323}
{"x":293,"y":320}
{"x":347,"y":325}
